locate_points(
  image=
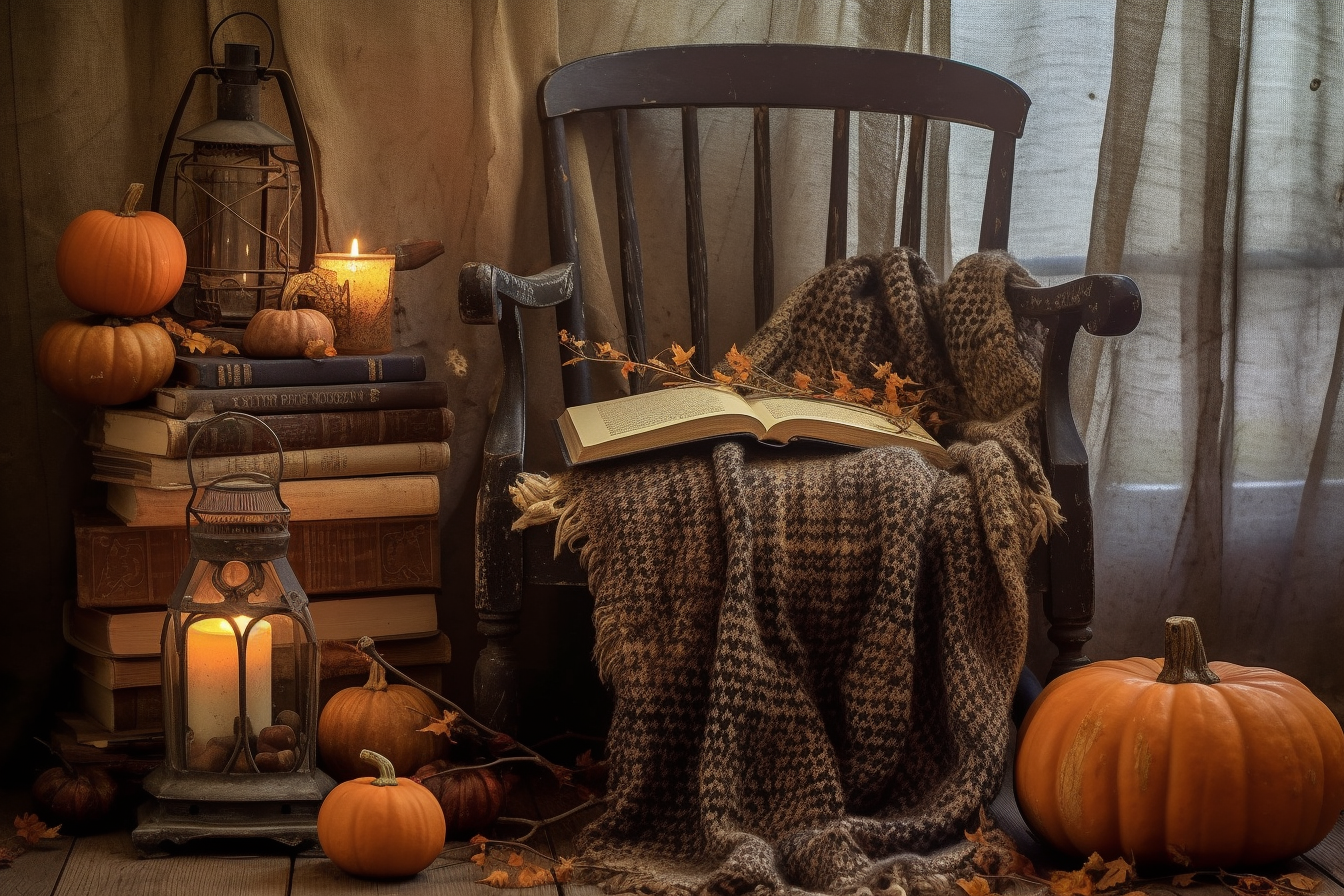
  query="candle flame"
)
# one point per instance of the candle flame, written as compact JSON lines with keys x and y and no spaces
{"x":354,"y":247}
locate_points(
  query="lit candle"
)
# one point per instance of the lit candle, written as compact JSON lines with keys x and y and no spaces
{"x":363,"y":320}
{"x":212,"y":677}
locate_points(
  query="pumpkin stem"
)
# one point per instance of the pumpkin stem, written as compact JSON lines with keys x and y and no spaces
{"x":129,"y":200}
{"x":377,"y":678}
{"x":1185,"y":662}
{"x":69,"y":769}
{"x":387,"y":775}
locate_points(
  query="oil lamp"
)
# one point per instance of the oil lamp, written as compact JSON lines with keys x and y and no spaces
{"x":246,"y":207}
{"x":240,"y":673}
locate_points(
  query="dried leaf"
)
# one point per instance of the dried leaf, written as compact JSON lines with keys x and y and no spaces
{"x":1298,"y":881}
{"x":628,"y":368}
{"x":681,"y":357}
{"x":480,"y":858}
{"x":479,"y":840}
{"x":976,"y":886}
{"x":318,"y":348}
{"x":515,"y":859}
{"x":221,"y":347}
{"x":563,"y":870}
{"x":802,"y":381}
{"x":499,"y":878}
{"x":740,"y":363}
{"x":32,"y":829}
{"x":722,"y":377}
{"x":196,"y":342}
{"x":1183,"y":880}
{"x":7,"y":857}
{"x":442,"y":726}
{"x":842,"y":384}
{"x":881,"y":371}
{"x":199,"y":324}
{"x":1071,"y":883}
{"x":1117,"y":872}
{"x":177,"y":329}
{"x":584,"y":760}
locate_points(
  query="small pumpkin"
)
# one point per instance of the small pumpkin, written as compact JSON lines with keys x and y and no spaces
{"x":74,"y":796}
{"x":126,"y":263}
{"x":381,"y":717}
{"x":1180,"y":761}
{"x":381,"y":826}
{"x":471,"y":797}
{"x":104,"y":362}
{"x":287,"y":331}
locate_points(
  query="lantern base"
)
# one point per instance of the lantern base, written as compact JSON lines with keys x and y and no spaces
{"x":175,"y":822}
{"x":188,"y":806}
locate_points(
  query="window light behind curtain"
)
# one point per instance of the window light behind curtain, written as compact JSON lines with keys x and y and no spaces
{"x":1210,"y":167}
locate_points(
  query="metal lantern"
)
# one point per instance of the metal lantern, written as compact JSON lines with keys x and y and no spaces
{"x":244,"y":196}
{"x":240,"y":672}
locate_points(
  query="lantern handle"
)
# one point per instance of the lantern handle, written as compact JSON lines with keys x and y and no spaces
{"x":255,"y":475}
{"x":269,"y":33}
{"x":167,"y":152}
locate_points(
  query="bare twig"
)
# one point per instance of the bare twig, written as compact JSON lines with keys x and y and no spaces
{"x":535,"y":825}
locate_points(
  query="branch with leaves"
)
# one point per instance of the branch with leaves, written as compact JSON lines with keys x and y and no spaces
{"x":882,"y":390}
{"x":29,"y":831}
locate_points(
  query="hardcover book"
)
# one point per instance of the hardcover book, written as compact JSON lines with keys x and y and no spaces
{"x":125,"y":709}
{"x":150,"y":431}
{"x":150,"y":471}
{"x":308,"y":499}
{"x":223,"y":372}
{"x":184,"y":401}
{"x":126,"y":633}
{"x":674,"y":416}
{"x":122,"y":566}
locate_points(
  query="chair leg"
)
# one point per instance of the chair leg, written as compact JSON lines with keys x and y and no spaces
{"x":1069,"y":638}
{"x":496,"y":675}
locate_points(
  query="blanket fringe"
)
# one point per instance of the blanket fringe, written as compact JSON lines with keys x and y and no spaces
{"x":546,"y":499}
{"x":1044,"y":512}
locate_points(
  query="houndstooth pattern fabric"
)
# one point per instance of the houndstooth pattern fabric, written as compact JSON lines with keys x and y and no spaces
{"x":813,"y":651}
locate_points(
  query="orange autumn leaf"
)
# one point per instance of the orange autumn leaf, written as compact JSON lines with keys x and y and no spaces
{"x":515,"y":859}
{"x":480,"y":858}
{"x":628,"y":368}
{"x":1071,"y":883}
{"x":681,"y":357}
{"x":740,"y":363}
{"x":865,"y":394}
{"x":1298,"y":881}
{"x":976,"y":886}
{"x":196,"y":342}
{"x":881,"y":371}
{"x":722,"y":377}
{"x":442,"y":726}
{"x":533,"y":876}
{"x":802,"y":381}
{"x":842,"y":384}
{"x":176,"y":328}
{"x":31,"y":829}
{"x":1183,"y":880}
{"x":563,"y":870}
{"x":1117,"y":871}
{"x":499,"y":878}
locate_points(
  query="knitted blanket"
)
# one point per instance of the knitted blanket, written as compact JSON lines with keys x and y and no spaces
{"x":813,"y":651}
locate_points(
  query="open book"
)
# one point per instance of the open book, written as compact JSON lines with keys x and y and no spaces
{"x":681,"y":414}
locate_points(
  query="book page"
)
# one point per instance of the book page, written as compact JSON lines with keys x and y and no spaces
{"x":648,"y":411}
{"x":772,"y":409}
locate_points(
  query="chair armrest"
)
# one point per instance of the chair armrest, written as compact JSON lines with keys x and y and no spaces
{"x":480,"y":286}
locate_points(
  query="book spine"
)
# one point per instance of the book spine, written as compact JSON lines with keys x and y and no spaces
{"x":322,"y":429}
{"x":226,"y":373}
{"x":182,"y":402}
{"x":121,"y":566}
{"x":314,"y":463}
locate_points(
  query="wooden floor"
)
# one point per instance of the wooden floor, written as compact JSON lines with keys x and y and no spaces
{"x":106,"y":865}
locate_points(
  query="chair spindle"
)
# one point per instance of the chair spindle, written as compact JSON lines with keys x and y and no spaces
{"x":632,"y":264}
{"x":763,"y":247}
{"x":837,"y":222}
{"x":912,"y":207}
{"x":697,"y":266}
{"x":998,"y":193}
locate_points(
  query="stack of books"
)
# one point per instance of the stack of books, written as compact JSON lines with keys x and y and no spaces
{"x":363,"y":438}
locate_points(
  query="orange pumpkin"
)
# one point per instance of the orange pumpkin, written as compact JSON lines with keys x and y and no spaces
{"x":380,"y":827}
{"x":104,"y":363}
{"x":286,"y":332}
{"x":381,"y":717}
{"x":1180,"y":761}
{"x":125,"y":263}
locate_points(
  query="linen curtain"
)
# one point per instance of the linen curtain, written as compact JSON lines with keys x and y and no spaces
{"x":1196,"y":147}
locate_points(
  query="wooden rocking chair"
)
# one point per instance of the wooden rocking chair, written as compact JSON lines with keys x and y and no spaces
{"x":763,"y":77}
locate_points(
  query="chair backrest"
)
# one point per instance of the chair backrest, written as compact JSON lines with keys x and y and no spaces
{"x":761,"y":77}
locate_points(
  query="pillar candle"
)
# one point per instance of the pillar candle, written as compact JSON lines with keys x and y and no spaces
{"x":364,"y":322}
{"x":212,"y":677}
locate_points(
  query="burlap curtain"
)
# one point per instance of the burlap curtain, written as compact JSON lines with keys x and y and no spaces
{"x":1194,"y":146}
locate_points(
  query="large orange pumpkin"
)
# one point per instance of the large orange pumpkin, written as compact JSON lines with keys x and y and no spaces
{"x":380,"y":827}
{"x":125,"y":263}
{"x":380,"y":717}
{"x":1180,"y":761}
{"x":104,"y":362}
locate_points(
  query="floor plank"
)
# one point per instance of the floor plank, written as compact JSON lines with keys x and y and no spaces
{"x":1328,"y":855}
{"x":36,"y":872}
{"x":452,"y":874}
{"x":107,"y":864}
